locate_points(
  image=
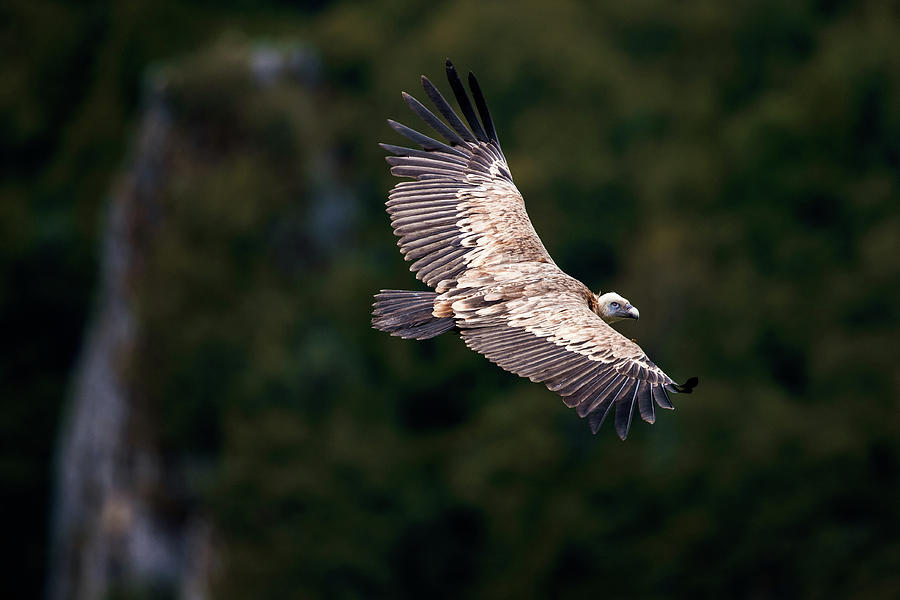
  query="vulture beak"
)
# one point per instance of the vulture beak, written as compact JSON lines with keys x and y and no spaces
{"x":633,"y":312}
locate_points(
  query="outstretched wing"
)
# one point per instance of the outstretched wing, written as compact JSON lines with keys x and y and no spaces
{"x":547,"y":333}
{"x":463,"y":209}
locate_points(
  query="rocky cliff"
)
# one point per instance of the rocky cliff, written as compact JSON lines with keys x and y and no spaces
{"x":129,"y":514}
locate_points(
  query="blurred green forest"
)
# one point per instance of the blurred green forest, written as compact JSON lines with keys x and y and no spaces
{"x":733,"y":169}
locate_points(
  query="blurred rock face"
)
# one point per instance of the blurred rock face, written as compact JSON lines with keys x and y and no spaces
{"x":104,"y":531}
{"x":127,"y":519}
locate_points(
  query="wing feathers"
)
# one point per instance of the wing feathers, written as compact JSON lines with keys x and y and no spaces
{"x":435,"y":246}
{"x":421,"y":201}
{"x":417,"y":161}
{"x":465,"y":105}
{"x":435,"y":123}
{"x":422,"y":139}
{"x":445,"y":109}
{"x":661,"y":398}
{"x":605,"y":387}
{"x":404,"y":151}
{"x":423,"y":211}
{"x":413,"y":222}
{"x":645,"y":402}
{"x":596,"y":418}
{"x":483,"y":109}
{"x":625,"y":401}
{"x":565,"y":385}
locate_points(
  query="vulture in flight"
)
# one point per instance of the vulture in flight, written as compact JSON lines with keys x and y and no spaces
{"x":463,"y":223}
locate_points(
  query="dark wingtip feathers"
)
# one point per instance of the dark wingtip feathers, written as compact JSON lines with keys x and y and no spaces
{"x":481,"y":105}
{"x":465,"y":105}
{"x":399,"y":150}
{"x":455,"y":131}
{"x":685,"y":388}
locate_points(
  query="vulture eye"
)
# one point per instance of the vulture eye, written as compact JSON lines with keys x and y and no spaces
{"x":614,"y":305}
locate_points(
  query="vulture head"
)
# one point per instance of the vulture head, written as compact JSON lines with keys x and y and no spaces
{"x":614,"y":307}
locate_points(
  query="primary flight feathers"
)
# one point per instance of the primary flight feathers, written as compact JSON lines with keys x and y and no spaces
{"x":463,"y":223}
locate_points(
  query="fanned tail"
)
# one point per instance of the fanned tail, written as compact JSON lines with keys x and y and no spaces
{"x":408,"y":315}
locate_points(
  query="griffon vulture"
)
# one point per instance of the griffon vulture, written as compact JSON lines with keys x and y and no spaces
{"x":463,"y":224}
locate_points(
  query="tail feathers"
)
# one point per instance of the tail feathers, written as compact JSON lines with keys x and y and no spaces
{"x":408,"y":315}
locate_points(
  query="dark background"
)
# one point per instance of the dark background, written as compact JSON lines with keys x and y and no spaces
{"x":731,"y":168}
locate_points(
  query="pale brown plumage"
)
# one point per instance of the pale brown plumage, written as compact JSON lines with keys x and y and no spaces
{"x":463,"y":224}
